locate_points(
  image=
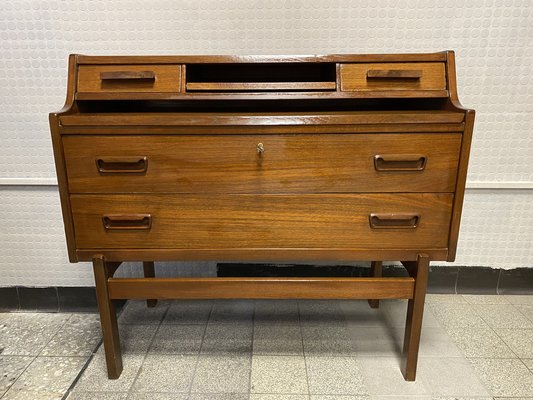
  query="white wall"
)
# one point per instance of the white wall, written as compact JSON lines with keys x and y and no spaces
{"x":493,"y":41}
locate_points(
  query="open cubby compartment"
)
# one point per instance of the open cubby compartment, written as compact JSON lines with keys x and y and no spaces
{"x":261,"y":77}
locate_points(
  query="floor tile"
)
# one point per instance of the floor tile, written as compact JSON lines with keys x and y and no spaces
{"x":157,"y":396}
{"x":526,"y":310}
{"x":94,"y":378}
{"x":359,"y":312}
{"x":340,"y":397}
{"x":135,"y":339}
{"x":178,"y":339}
{"x":520,"y":299}
{"x":382,"y":376}
{"x":222,"y":374}
{"x":529,"y":363}
{"x":410,"y":397}
{"x":379,"y":341}
{"x":188,"y":312}
{"x":321,"y":312}
{"x":78,"y":337}
{"x":328,"y":340}
{"x":460,"y":398}
{"x":279,"y":396}
{"x":457,"y":315}
{"x":52,"y":375}
{"x":11,"y":368}
{"x":519,"y":340}
{"x":504,"y":377}
{"x":26,"y":334}
{"x":279,"y":374}
{"x":31,"y":395}
{"x":445,"y":298}
{"x":450,"y":377}
{"x":277,"y":339}
{"x":216,"y":396}
{"x":233,"y":338}
{"x":334,"y":375}
{"x":97,"y":396}
{"x":136,"y":312}
{"x":396,"y":314}
{"x":232,"y":311}
{"x":512,"y":398}
{"x":276,"y":312}
{"x":434,"y":342}
{"x":503,"y":316}
{"x":485,"y":299}
{"x":166,"y":373}
{"x":480,"y":342}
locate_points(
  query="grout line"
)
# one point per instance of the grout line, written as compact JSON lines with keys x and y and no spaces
{"x":130,"y":390}
{"x":498,"y":282}
{"x":456,"y":280}
{"x":18,"y":377}
{"x":496,"y":333}
{"x":303,"y":349}
{"x":18,"y":298}
{"x":82,"y":370}
{"x":252,"y":352}
{"x":55,"y":334}
{"x":189,"y":391}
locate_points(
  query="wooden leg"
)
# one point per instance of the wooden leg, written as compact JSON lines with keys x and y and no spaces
{"x":149,"y":272}
{"x":108,"y":317}
{"x":375,"y":271}
{"x":415,"y":310}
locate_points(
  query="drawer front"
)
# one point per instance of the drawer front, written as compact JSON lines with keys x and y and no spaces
{"x":393,"y":76}
{"x":129,"y":78}
{"x":364,"y":221}
{"x":327,"y":163}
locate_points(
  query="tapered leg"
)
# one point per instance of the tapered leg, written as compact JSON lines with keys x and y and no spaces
{"x":375,"y":271}
{"x":108,"y":317}
{"x":149,"y":272}
{"x":415,"y":310}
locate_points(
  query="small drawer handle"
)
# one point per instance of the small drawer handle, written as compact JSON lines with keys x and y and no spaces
{"x":393,"y":221}
{"x":122,"y":165}
{"x":399,"y":162}
{"x":127,"y":75}
{"x":394,"y":74}
{"x":127,"y":221}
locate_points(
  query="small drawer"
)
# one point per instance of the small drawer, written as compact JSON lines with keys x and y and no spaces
{"x":129,"y":78}
{"x":393,"y":76}
{"x":229,"y":221}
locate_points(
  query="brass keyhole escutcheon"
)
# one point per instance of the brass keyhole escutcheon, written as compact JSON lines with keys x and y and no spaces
{"x":260,"y":148}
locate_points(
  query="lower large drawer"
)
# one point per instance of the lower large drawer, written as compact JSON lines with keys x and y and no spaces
{"x":365,"y":221}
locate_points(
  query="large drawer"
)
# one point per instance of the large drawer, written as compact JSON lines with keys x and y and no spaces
{"x":364,"y":221}
{"x":322,"y":163}
{"x":129,"y":78}
{"x":392,"y":76}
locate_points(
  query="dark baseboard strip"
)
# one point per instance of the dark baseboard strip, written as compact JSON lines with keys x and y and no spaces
{"x":442,"y":279}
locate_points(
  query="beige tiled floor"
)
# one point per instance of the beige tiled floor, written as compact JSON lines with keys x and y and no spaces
{"x":473,"y":347}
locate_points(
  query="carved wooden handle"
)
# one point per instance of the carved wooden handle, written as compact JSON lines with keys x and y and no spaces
{"x":394,"y":74}
{"x":121,"y":75}
{"x":122,"y":165}
{"x":127,"y":221}
{"x":393,"y":221}
{"x":399,"y":162}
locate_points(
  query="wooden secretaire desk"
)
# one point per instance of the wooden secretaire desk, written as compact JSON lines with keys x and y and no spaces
{"x":263,"y":158}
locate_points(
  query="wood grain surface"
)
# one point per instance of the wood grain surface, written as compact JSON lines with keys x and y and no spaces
{"x":167,"y":78}
{"x":278,"y":221}
{"x":289,"y":164}
{"x":354,"y":77}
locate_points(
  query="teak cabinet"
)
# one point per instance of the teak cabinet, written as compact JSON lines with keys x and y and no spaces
{"x":262,"y":158}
